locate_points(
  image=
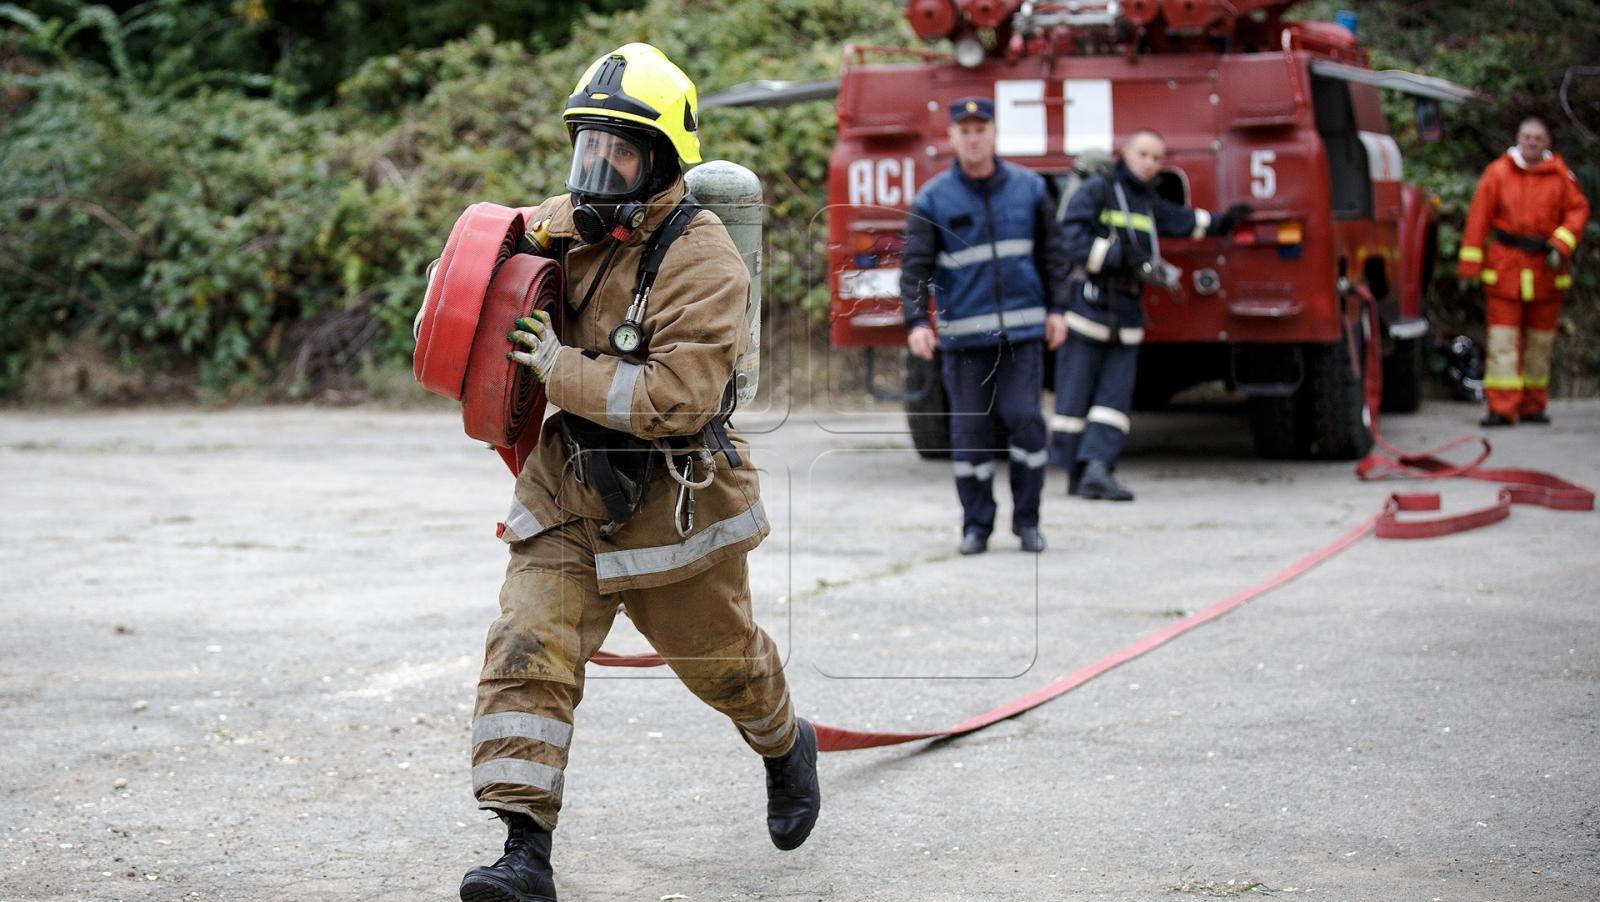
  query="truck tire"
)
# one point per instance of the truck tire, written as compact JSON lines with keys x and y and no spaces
{"x":1339,"y":425}
{"x":1402,"y":377}
{"x":928,"y":416}
{"x":1277,"y":427}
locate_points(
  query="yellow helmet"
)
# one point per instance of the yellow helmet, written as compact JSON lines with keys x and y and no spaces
{"x":637,"y":85}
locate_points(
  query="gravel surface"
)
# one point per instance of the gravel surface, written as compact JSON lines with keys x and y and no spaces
{"x":237,"y":655}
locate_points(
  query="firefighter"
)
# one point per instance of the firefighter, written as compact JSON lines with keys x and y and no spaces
{"x":1528,"y":202}
{"x":983,"y":237}
{"x":1111,"y":226}
{"x":638,"y":492}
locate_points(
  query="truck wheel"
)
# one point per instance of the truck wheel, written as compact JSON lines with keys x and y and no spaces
{"x":1277,"y":427}
{"x":928,"y":415}
{"x":1339,"y":421}
{"x":1402,"y":377}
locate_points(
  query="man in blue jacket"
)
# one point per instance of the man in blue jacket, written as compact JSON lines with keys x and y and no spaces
{"x":1111,"y":228}
{"x":983,"y":237}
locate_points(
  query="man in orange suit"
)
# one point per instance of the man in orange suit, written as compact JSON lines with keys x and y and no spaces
{"x":1528,"y":202}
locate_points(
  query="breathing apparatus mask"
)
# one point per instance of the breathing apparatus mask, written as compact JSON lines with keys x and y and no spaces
{"x":610,"y":174}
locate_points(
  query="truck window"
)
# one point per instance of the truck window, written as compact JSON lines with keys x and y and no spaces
{"x":1349,"y":180}
{"x":1172,"y":186}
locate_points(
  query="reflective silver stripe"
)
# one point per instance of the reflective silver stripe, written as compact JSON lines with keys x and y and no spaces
{"x":989,"y":322}
{"x":1087,"y":327}
{"x":765,"y":722}
{"x":521,"y":522}
{"x":661,"y":558}
{"x":619,"y":397}
{"x":1202,"y":221}
{"x":1110,"y":416}
{"x":1063,"y":423}
{"x":1011,"y":247}
{"x":1130,"y":336}
{"x":1097,"y":254}
{"x":775,"y":735}
{"x":525,"y":726}
{"x":1033,"y":459}
{"x":981,"y":471}
{"x":518,"y":773}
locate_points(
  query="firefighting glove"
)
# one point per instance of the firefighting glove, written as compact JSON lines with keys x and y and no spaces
{"x":1554,"y":258}
{"x":536,"y":333}
{"x":1135,"y":257}
{"x":1232,"y":219}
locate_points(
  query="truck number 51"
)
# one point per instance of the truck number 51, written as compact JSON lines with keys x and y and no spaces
{"x":1263,"y":180}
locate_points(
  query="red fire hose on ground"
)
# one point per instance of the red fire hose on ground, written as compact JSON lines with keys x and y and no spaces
{"x":479,"y":287}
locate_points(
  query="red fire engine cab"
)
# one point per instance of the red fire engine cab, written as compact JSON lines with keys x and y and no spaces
{"x":1282,"y":115}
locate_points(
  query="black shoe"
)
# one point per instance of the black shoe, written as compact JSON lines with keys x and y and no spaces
{"x":974,"y":542}
{"x":1538,"y":419}
{"x":1495,"y":419}
{"x":794,"y":795}
{"x":522,"y":874}
{"x":1032,"y":539}
{"x":1097,"y":483}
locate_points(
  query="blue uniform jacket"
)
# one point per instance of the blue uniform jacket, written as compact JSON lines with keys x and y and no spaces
{"x":1098,"y":235}
{"x":991,"y":252}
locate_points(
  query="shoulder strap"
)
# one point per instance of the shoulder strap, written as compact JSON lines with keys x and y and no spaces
{"x":671,"y":230}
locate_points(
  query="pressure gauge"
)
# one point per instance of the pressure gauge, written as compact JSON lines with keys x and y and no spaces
{"x":626,"y":337}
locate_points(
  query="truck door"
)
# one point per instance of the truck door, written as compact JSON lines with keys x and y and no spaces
{"x":1349,"y":175}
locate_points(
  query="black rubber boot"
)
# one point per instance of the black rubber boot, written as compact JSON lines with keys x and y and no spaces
{"x":1494,"y":420}
{"x":1538,"y":419}
{"x":1097,"y":483}
{"x":794,"y":795}
{"x":522,"y":874}
{"x":974,"y":542}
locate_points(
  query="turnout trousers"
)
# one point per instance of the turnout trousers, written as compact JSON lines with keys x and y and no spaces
{"x":1094,"y":394}
{"x":1522,"y":338}
{"x":984,"y":385}
{"x":552,"y":621}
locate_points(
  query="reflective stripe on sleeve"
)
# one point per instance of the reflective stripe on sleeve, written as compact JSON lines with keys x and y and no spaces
{"x":1471,"y":255}
{"x":518,"y":773}
{"x":1087,"y":327}
{"x":1097,"y":254}
{"x":1011,"y":247}
{"x":1202,"y":221}
{"x":1566,"y":236}
{"x":619,"y":397}
{"x":1070,"y":425}
{"x":1130,"y":336}
{"x":1033,"y":460}
{"x":1110,"y":416}
{"x":509,"y":724}
{"x":1489,"y":277}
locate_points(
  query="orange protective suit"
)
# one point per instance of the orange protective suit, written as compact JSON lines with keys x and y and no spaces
{"x":1517,"y":205}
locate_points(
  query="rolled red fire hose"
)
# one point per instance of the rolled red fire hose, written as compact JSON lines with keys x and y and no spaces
{"x":476,"y":292}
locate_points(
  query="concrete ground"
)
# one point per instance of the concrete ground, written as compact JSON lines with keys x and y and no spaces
{"x":237,"y":654}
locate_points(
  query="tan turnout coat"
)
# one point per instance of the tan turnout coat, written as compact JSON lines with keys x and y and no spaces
{"x":694,"y":330}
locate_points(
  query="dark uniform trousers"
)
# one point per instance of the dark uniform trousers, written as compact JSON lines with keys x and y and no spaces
{"x":1095,"y":371}
{"x":984,"y":385}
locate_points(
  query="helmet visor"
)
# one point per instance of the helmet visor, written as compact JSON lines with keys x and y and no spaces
{"x":607,"y":164}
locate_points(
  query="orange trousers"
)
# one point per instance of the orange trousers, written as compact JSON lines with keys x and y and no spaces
{"x":1522,"y":338}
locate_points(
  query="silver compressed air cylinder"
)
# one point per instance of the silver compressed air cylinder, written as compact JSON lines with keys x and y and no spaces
{"x":734,"y":194}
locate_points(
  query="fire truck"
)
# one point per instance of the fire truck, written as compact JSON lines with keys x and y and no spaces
{"x":1292,"y":310}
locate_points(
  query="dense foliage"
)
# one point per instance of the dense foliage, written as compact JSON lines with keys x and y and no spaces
{"x":246,"y":193}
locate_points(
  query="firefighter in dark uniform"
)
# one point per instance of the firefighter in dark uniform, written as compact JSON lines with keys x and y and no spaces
{"x":983,"y":237}
{"x":1111,"y":228}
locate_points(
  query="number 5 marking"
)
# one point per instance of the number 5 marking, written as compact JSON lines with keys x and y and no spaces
{"x":1263,"y":181}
